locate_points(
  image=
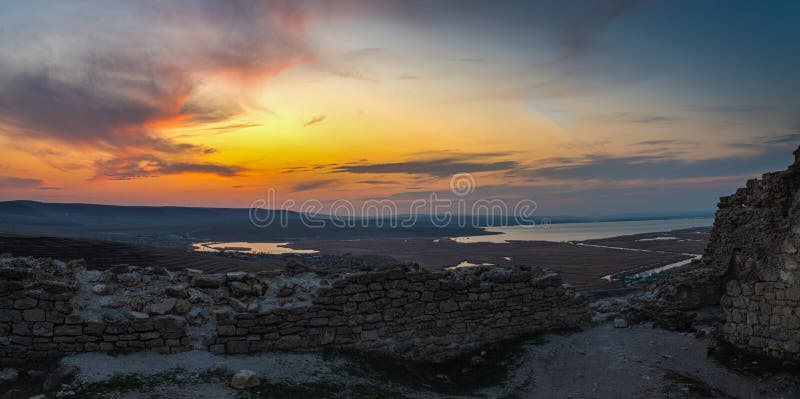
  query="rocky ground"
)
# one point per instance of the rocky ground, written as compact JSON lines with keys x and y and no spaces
{"x":606,"y":359}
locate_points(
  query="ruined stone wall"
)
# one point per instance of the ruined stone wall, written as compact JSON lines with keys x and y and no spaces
{"x":49,"y":308}
{"x":754,"y":247}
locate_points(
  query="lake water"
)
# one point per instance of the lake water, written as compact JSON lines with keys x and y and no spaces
{"x":584,"y":231}
{"x":273,"y":248}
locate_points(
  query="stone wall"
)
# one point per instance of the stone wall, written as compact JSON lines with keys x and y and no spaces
{"x":50,"y":308}
{"x":754,"y":247}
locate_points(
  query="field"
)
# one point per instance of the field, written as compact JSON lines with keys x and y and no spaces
{"x":103,"y":254}
{"x":581,"y":265}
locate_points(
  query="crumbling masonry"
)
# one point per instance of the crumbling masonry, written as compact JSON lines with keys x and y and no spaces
{"x":51,"y":308}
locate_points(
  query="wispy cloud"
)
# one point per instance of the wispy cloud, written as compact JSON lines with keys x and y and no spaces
{"x":658,"y":166}
{"x":379,"y":182}
{"x":435,"y":167}
{"x":311,"y":185}
{"x":150,"y":166}
{"x":791,"y":138}
{"x":648,"y":119}
{"x":315,"y":120}
{"x":580,"y":35}
{"x":19,"y":182}
{"x":732,"y":108}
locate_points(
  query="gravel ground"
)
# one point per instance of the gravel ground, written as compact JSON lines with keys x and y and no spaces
{"x":638,"y":362}
{"x":599,"y":362}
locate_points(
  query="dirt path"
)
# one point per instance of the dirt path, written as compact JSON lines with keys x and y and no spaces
{"x":638,"y":362}
{"x":599,"y":362}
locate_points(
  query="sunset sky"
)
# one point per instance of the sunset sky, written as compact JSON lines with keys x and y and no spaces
{"x":586,"y":107}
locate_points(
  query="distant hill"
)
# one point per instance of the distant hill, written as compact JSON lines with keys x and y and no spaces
{"x":93,"y":213}
{"x":177,"y":226}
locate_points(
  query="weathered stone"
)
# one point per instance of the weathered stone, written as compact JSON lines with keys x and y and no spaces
{"x":387,"y":312}
{"x":245,"y":379}
{"x":33,"y":315}
{"x":236,"y":276}
{"x":182,"y":306}
{"x":237,"y":347}
{"x":70,"y":330}
{"x":170,"y":326}
{"x":42,"y":329}
{"x":208,"y":280}
{"x":199,"y":297}
{"x":751,"y":266}
{"x":193,"y":272}
{"x":8,"y":376}
{"x":163,"y":306}
{"x":239,"y":289}
{"x":136,"y":316}
{"x":7,"y":315}
{"x":25,"y":303}
{"x":113,"y":317}
{"x":176,"y":291}
{"x":128,"y":279}
{"x":102,"y":289}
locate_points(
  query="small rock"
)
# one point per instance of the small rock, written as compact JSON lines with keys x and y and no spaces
{"x":208,"y":280}
{"x":197,"y":296}
{"x":112,"y":316}
{"x":129,"y":279}
{"x":239,"y":289}
{"x":284,"y":291}
{"x":619,"y":322}
{"x":706,"y":331}
{"x":193,"y":272}
{"x":8,"y":375}
{"x":245,"y":379}
{"x":236,"y":276}
{"x":237,"y":305}
{"x":176,"y":291}
{"x":102,"y":289}
{"x":162,"y":307}
{"x":182,"y":306}
{"x":137,"y":316}
{"x":170,"y":326}
{"x":171,"y":276}
{"x":195,"y":317}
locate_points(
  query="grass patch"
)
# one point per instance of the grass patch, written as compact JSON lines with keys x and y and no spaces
{"x":460,"y":376}
{"x":316,"y":391}
{"x":122,"y":383}
{"x":745,"y":363}
{"x":684,"y":386}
